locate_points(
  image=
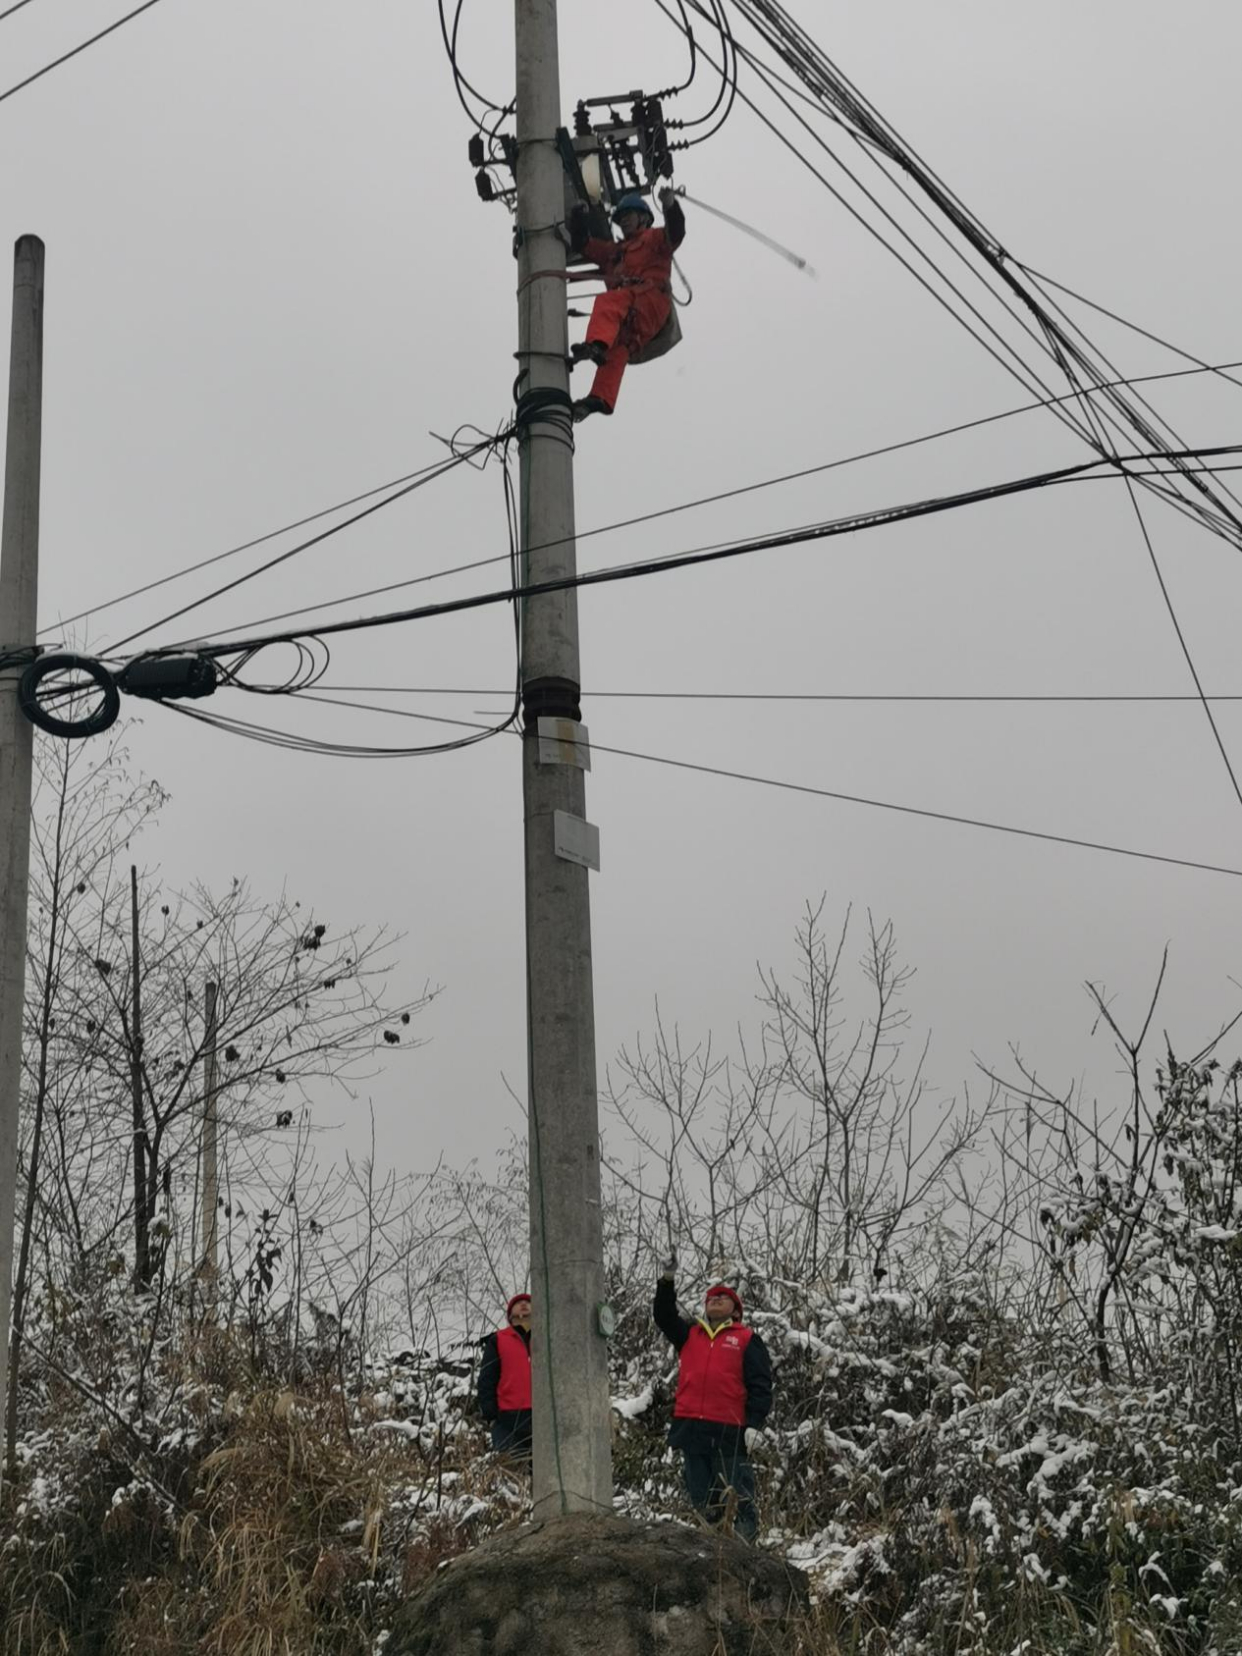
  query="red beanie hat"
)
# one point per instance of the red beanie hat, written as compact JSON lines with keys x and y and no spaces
{"x":516,"y":1300}
{"x":723,"y":1288}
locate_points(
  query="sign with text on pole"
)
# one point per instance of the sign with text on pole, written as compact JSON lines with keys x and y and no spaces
{"x":575,"y":841}
{"x":564,"y":742}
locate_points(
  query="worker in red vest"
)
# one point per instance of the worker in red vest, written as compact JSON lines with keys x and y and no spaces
{"x":504,"y":1381}
{"x":724,"y":1393}
{"x":637,"y":272}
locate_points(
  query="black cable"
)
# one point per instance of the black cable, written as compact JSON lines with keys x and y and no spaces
{"x":768,"y":79}
{"x":830,"y":793}
{"x":459,"y":80}
{"x":719,"y":20}
{"x":688,"y":31}
{"x":865,"y":114}
{"x":1071,"y":375}
{"x":711,"y":554}
{"x":12,"y":9}
{"x":64,"y":58}
{"x":1146,"y":333}
{"x":246,"y":546}
{"x":1181,"y":638}
{"x":487,"y":102}
{"x":889,"y":143}
{"x":822,"y":77}
{"x":491,"y":134}
{"x":782,"y":695}
{"x":1171,"y":435}
{"x":309,"y":672}
{"x":323,"y":604}
{"x":284,"y":739}
{"x":914,"y":810}
{"x":503,"y":557}
{"x":1023,"y":374}
{"x":960,"y":217}
{"x":665,"y":511}
{"x":1219,"y":517}
{"x":745,"y":55}
{"x":282,"y":557}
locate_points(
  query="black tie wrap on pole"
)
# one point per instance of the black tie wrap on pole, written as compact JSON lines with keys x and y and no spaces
{"x":550,"y":698}
{"x":545,"y":405}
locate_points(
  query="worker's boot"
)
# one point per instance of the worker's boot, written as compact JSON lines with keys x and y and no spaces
{"x":589,"y":350}
{"x":589,"y":405}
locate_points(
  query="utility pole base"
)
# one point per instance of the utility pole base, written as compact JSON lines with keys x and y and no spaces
{"x":589,"y":1585}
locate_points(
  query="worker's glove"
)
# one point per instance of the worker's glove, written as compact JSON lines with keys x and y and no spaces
{"x":579,"y":227}
{"x":755,"y":1438}
{"x":666,"y":196}
{"x":668,"y":1270}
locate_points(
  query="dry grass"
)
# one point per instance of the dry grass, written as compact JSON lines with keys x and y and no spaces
{"x":292,"y":1535}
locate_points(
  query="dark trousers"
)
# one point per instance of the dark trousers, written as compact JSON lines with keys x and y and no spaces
{"x":714,"y":1480}
{"x":511,"y":1435}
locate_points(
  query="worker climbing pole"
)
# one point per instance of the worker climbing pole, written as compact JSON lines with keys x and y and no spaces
{"x":613,"y":166}
{"x":633,"y":319}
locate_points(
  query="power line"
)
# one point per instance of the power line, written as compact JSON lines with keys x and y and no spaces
{"x":590,"y":694}
{"x":688,"y":31}
{"x":960,"y":214}
{"x":831,"y":87}
{"x":914,"y":810}
{"x":271,"y":737}
{"x":12,"y":9}
{"x":644,"y":517}
{"x":822,"y":77}
{"x":683,"y":560}
{"x":282,"y":557}
{"x":1181,"y":637}
{"x":806,"y":788}
{"x":64,"y":58}
{"x":1146,"y":333}
{"x":247,"y":546}
{"x":719,"y":19}
{"x":1022,"y":373}
{"x":459,"y":80}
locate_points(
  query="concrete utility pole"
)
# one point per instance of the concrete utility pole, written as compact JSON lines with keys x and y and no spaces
{"x":211,"y":1175}
{"x":19,"y":581}
{"x":572,"y":1427}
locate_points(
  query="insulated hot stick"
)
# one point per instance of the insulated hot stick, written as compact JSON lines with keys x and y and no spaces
{"x":794,"y":259}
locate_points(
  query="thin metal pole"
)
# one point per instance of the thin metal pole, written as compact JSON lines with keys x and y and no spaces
{"x":19,"y":581}
{"x":142,"y":1192}
{"x":572,"y":1429}
{"x":211,"y":1175}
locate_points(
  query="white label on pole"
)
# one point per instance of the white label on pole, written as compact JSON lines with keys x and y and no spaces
{"x":575,"y":841}
{"x":564,"y":742}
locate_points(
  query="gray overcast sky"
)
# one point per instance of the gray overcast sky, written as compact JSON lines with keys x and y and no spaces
{"x":269,"y":279}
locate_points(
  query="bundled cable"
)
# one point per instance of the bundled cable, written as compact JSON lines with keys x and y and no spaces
{"x":1081,"y":362}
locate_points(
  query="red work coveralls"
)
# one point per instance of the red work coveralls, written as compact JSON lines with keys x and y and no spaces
{"x":637,"y":274}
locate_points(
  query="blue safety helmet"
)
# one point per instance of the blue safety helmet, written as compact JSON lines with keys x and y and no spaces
{"x":632,"y":204}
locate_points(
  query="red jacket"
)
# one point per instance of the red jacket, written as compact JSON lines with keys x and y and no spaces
{"x":513,"y":1390}
{"x":710,"y":1382}
{"x":645,"y":260}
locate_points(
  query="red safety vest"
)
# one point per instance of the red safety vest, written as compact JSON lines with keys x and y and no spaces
{"x":513,"y":1392}
{"x":710,"y":1385}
